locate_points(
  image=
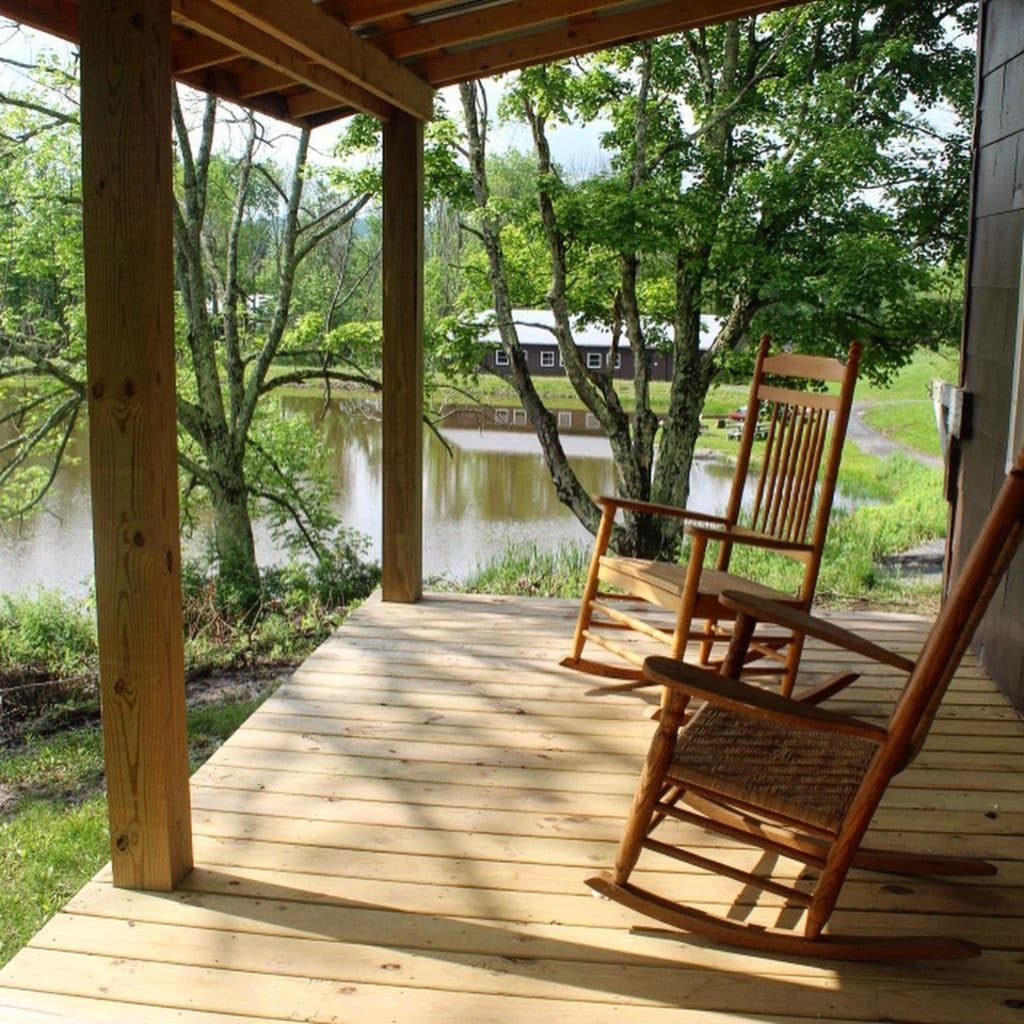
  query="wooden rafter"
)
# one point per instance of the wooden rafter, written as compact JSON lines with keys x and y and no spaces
{"x":304,"y":28}
{"x":485,"y":23}
{"x":302,"y":105}
{"x":258,"y":80}
{"x":58,"y":17}
{"x":367,"y":12}
{"x":221,"y":82}
{"x":193,"y":53}
{"x":583,"y":35}
{"x":244,"y":37}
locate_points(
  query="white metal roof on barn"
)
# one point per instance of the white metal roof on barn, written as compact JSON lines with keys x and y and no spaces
{"x":535,"y":327}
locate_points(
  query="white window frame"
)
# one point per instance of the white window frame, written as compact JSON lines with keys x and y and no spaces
{"x":592,"y":422}
{"x":565,"y":418}
{"x":500,"y":357}
{"x":594,"y":361}
{"x":547,"y":360}
{"x":519,"y":417}
{"x":618,"y":360}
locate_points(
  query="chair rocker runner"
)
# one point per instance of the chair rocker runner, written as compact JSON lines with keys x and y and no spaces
{"x":796,"y":780}
{"x":784,"y":518}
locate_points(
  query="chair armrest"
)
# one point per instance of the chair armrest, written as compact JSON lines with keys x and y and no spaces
{"x":654,"y":509}
{"x":738,"y":535}
{"x":752,"y":700}
{"x":765,"y":610}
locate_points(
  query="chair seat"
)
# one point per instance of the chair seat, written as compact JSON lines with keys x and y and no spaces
{"x":807,"y":776}
{"x":662,"y":582}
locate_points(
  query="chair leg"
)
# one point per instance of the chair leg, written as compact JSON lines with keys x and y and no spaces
{"x":835,"y":684}
{"x":688,"y":598}
{"x":604,"y":534}
{"x":649,"y":788}
{"x":796,"y":648}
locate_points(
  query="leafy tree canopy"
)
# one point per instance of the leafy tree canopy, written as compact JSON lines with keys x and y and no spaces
{"x":802,"y":173}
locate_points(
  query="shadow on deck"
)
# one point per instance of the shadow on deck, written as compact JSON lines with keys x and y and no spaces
{"x":402,"y":831}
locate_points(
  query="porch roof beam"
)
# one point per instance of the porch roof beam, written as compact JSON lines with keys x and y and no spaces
{"x":58,"y":17}
{"x":223,"y":83}
{"x":193,"y":53}
{"x":587,"y":33}
{"x":304,"y":28}
{"x":246,"y":38}
{"x":484,"y":23}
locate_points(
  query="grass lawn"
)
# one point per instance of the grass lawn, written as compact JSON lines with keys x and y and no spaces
{"x":904,"y":411}
{"x":53,"y":816}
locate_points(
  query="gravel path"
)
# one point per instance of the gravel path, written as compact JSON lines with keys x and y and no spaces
{"x":926,"y":559}
{"x":872,"y":442}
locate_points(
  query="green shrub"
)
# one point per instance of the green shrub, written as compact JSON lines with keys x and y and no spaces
{"x":525,"y":569}
{"x":342,"y":575}
{"x":299,"y":604}
{"x":47,"y":634}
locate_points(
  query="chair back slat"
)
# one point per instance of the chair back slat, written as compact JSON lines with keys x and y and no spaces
{"x":784,"y":473}
{"x":739,"y":479}
{"x":793,"y":397}
{"x":815,"y":447}
{"x":799,"y":464}
{"x":968,"y":600}
{"x":792,"y":364}
{"x":796,"y":427}
{"x":765,"y":476}
{"x":797,"y":461}
{"x":771,"y":471}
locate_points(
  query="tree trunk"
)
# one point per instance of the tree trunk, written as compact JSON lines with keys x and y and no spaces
{"x":567,"y":484}
{"x":238,"y":578}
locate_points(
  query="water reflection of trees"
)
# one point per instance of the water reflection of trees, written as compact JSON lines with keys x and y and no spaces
{"x":490,"y":489}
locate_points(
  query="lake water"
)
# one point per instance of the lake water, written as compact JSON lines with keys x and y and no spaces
{"x":492,"y":489}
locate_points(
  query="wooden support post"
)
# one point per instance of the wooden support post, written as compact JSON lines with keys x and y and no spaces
{"x":403,"y":359}
{"x":126,"y":188}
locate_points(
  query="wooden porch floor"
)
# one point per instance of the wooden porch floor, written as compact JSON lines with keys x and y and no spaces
{"x":401,"y":834}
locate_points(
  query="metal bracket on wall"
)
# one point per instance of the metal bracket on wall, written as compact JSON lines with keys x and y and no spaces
{"x":949,"y":403}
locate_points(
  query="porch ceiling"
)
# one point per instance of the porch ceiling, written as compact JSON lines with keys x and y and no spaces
{"x":313,"y":61}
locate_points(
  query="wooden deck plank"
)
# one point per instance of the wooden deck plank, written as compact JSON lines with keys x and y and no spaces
{"x":401,"y":833}
{"x":316,"y":915}
{"x":441,"y":888}
{"x":36,"y":1007}
{"x":328,"y":1002}
{"x":550,"y":780}
{"x":927,"y":794}
{"x":280,"y":961}
{"x":502,"y":821}
{"x":593,"y":711}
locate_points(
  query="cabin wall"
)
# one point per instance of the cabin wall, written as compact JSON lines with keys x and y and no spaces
{"x":991,"y":333}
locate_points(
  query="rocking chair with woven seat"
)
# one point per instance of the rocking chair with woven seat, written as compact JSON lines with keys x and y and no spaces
{"x":786,"y":517}
{"x":797,"y":781}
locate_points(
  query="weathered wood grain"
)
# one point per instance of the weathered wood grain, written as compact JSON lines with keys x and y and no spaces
{"x":402,"y":834}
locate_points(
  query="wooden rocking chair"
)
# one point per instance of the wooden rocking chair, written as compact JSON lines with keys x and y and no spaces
{"x":796,"y":780}
{"x":784,"y":518}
